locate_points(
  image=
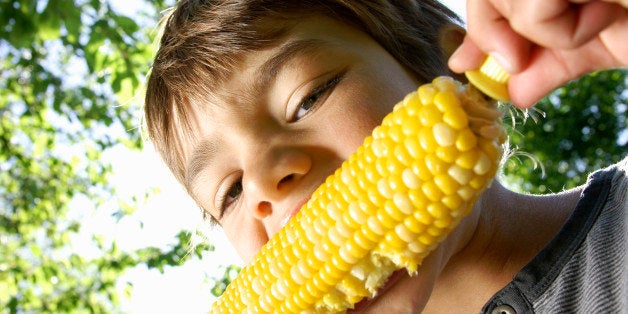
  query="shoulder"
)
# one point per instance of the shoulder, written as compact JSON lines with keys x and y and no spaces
{"x":618,"y":171}
{"x":583,"y":268}
{"x":608,"y":188}
{"x":594,"y":272}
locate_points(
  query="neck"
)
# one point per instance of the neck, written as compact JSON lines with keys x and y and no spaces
{"x":505,"y":231}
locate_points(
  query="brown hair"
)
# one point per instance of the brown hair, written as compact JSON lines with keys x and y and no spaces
{"x":203,"y":39}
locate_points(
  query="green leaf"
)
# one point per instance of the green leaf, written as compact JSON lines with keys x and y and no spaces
{"x":49,"y":24}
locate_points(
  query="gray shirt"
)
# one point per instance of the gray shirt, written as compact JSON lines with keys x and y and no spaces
{"x":583,"y":269}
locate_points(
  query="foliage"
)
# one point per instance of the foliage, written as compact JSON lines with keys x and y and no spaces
{"x":229,"y":274}
{"x":583,"y":127}
{"x":68,"y":71}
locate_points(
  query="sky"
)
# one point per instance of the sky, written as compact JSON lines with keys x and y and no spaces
{"x":157,"y":221}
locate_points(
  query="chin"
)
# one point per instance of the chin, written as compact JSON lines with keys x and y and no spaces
{"x":397,"y":296}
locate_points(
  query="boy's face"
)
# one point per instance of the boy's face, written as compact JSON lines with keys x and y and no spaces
{"x":285,"y":120}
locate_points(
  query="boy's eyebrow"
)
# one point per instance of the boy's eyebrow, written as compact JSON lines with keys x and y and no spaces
{"x":201,"y":156}
{"x":206,"y":151}
{"x":269,"y":69}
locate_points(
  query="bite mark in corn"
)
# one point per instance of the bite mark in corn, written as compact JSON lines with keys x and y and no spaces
{"x":386,"y":208}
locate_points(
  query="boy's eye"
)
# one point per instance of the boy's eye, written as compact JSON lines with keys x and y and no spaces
{"x":312,"y":99}
{"x":230,"y":197}
{"x":306,"y":105}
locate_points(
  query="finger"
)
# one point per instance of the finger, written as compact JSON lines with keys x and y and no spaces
{"x":491,"y":32}
{"x":623,"y":3}
{"x":615,"y":40}
{"x":593,"y":18}
{"x":543,"y":76}
{"x":550,"y":69}
{"x":528,"y":87}
{"x":562,"y":24}
{"x":467,"y":57}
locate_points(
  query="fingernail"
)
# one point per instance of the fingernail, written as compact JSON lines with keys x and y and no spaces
{"x":503,"y":62}
{"x":453,"y":60}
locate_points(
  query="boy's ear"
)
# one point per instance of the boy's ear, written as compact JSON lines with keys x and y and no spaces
{"x":449,"y":38}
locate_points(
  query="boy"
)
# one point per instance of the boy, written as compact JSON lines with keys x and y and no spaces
{"x":252,"y":104}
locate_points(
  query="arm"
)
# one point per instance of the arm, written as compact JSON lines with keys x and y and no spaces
{"x":544,"y":43}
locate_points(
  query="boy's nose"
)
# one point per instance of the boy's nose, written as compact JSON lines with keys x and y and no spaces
{"x":272,"y":177}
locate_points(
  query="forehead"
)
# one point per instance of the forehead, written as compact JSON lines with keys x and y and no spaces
{"x":301,"y":39}
{"x":253,"y":69}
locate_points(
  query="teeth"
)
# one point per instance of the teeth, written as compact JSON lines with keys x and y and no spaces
{"x":284,"y":221}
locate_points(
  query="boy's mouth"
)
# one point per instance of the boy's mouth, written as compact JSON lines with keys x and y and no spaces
{"x":366,"y":302}
{"x":293,"y":212}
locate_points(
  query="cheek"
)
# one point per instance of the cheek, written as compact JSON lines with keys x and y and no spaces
{"x":360,"y":108}
{"x":346,"y":130}
{"x":247,"y":236}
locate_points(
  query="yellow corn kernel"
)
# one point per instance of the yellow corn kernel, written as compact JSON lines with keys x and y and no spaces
{"x":427,"y":140}
{"x":445,"y":84}
{"x":431,"y":190}
{"x":419,"y":168}
{"x":453,"y":202}
{"x":413,"y":225}
{"x":429,"y":115}
{"x":444,"y":134}
{"x":435,"y":165}
{"x":426,"y":93}
{"x":461,"y":175}
{"x":410,"y":179}
{"x":446,"y":183}
{"x":447,"y":153}
{"x":386,"y":208}
{"x":445,"y":100}
{"x":466,"y":140}
{"x":456,"y":117}
{"x":468,"y":159}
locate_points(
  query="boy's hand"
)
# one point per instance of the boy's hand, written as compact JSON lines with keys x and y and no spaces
{"x":544,"y":43}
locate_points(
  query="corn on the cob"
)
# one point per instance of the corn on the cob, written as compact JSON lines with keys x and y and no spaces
{"x":386,"y":208}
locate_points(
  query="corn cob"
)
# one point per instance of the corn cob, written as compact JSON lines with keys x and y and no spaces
{"x":384,"y":209}
{"x":490,"y":79}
